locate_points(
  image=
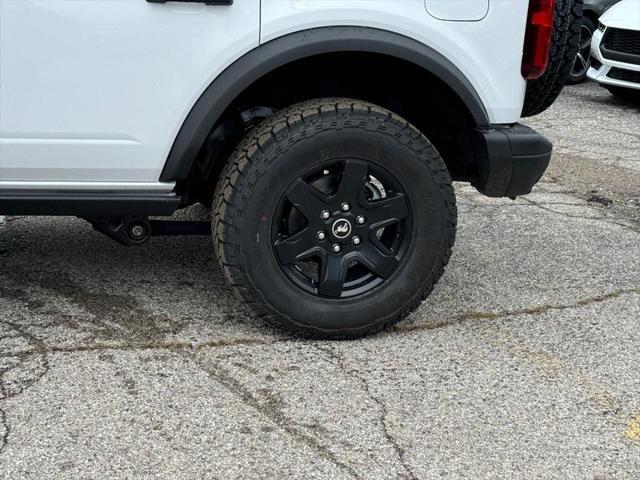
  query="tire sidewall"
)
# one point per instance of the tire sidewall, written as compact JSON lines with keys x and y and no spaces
{"x":309,"y":147}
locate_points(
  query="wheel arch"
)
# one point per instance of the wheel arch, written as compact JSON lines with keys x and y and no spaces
{"x":592,"y":14}
{"x":258,"y":63}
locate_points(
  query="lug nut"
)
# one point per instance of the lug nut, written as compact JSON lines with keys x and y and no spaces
{"x":322,"y":236}
{"x":346,"y":207}
{"x":325,"y":214}
{"x":360,"y":220}
{"x":336,"y":248}
{"x":356,"y":240}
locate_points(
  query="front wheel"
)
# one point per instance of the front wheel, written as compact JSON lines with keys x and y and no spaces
{"x":582,"y":62}
{"x":334,"y":219}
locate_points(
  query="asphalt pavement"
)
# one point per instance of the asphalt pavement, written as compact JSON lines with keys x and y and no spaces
{"x":524,"y":363}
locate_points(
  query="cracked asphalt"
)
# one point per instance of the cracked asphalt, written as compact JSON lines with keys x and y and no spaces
{"x":524,"y":363}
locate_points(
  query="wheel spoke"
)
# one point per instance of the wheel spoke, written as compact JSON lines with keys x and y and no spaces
{"x":363,"y":200}
{"x":332,"y":274}
{"x":308,"y":199}
{"x":585,"y":44}
{"x":387,"y":211}
{"x":586,"y":36}
{"x":353,"y":178}
{"x":379,"y":262}
{"x":583,"y":61}
{"x":295,"y":248}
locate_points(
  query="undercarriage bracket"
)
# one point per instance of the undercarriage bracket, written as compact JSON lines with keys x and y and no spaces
{"x":133,"y":230}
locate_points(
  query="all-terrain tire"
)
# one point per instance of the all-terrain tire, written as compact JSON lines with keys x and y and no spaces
{"x":300,"y":139}
{"x":543,"y":91}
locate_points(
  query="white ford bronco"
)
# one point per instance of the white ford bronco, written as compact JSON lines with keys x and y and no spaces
{"x":323,"y":134}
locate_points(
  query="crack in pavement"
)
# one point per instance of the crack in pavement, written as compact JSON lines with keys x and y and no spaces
{"x":4,"y":437}
{"x":134,"y":347}
{"x":606,"y":220}
{"x":5,"y":392}
{"x":110,"y":316}
{"x":250,"y":341}
{"x":272,"y":409}
{"x":613,"y":409}
{"x":617,"y":210}
{"x":499,"y":315}
{"x":32,"y":341}
{"x":493,"y":209}
{"x":384,"y":412}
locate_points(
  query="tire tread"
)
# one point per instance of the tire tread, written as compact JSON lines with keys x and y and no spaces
{"x":542,"y":92}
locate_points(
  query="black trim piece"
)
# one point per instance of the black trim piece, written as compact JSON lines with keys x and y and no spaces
{"x":621,"y":45}
{"x":514,"y":158}
{"x":86,"y":204}
{"x":619,"y":56}
{"x":281,"y":51}
{"x":624,"y":75}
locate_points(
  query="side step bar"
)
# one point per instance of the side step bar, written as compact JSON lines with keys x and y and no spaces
{"x":88,"y":204}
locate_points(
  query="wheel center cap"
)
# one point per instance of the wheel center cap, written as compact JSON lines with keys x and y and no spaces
{"x":341,"y":228}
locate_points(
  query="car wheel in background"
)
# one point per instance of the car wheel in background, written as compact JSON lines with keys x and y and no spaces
{"x":583,"y":57}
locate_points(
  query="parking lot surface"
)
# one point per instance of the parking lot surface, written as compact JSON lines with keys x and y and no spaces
{"x":524,"y":363}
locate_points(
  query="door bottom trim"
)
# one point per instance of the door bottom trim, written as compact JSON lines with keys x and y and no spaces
{"x":83,"y":204}
{"x":22,"y":185}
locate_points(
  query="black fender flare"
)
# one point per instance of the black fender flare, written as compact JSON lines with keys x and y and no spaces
{"x":267,"y":57}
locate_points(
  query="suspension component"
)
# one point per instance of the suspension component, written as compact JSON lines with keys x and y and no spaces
{"x":133,"y":230}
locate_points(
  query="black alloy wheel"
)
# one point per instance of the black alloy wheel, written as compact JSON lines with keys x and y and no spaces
{"x":343,"y":229}
{"x":583,"y":57}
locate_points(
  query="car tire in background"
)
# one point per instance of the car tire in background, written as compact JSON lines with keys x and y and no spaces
{"x":583,"y":56}
{"x":334,"y":218}
{"x":567,"y":26}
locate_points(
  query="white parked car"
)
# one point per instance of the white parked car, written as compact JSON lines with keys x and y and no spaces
{"x":324,"y":134}
{"x":615,"y":49}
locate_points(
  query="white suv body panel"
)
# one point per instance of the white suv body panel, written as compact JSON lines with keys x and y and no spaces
{"x":458,"y":10}
{"x":484,"y":51}
{"x":95,"y":91}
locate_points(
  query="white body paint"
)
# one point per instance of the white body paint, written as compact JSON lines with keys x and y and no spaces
{"x":94,"y":92}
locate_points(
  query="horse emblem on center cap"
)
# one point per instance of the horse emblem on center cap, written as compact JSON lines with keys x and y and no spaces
{"x":341,"y":228}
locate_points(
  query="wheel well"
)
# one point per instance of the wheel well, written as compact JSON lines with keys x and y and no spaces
{"x":591,"y":15}
{"x":395,"y":84}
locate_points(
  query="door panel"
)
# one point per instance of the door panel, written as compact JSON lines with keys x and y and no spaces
{"x":96,"y":90}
